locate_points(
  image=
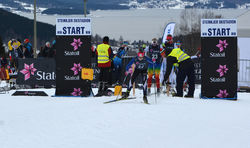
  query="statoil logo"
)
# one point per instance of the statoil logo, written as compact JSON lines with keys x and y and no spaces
{"x":222,"y":45}
{"x":76,"y":69}
{"x":30,"y":70}
{"x":75,"y":44}
{"x":222,"y":70}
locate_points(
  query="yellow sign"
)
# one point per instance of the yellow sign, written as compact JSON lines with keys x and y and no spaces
{"x":7,"y":74}
{"x":87,"y":73}
{"x":118,"y":90}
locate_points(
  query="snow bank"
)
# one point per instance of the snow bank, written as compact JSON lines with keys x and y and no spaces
{"x":47,"y":122}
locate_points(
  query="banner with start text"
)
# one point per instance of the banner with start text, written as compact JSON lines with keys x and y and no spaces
{"x":219,"y":59}
{"x":73,"y":52}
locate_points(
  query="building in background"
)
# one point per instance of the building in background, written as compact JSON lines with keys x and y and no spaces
{"x":244,"y":49}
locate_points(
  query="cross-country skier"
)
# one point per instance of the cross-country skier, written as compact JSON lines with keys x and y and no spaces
{"x":168,"y":45}
{"x":154,"y":52}
{"x":140,"y":66}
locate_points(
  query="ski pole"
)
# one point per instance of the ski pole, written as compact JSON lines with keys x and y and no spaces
{"x":155,"y":82}
{"x":133,"y":67}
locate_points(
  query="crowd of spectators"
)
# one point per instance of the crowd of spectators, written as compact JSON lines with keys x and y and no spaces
{"x":23,"y":50}
{"x":48,"y":50}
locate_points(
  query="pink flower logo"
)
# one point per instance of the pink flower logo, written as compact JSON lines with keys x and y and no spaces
{"x":222,"y":45}
{"x":222,"y":70}
{"x":28,"y":69}
{"x":76,"y":92}
{"x":76,"y":44}
{"x":76,"y":68}
{"x":222,"y":94}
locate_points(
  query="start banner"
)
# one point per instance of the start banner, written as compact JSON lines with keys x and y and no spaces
{"x":73,"y":52}
{"x":219,"y":58}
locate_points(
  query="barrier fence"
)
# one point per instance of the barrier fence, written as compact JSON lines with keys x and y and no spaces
{"x":243,"y":71}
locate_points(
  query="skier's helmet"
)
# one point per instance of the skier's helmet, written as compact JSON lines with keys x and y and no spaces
{"x":140,"y":55}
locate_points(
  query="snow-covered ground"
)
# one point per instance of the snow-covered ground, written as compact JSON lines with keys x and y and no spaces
{"x":51,"y":122}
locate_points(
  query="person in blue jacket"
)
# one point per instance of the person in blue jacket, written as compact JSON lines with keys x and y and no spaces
{"x":118,"y":62}
{"x":27,"y":49}
{"x":138,"y":66}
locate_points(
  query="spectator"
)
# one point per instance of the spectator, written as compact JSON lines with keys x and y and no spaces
{"x":118,"y":62}
{"x":27,"y":49}
{"x":3,"y":66}
{"x":4,"y":62}
{"x":104,"y":56}
{"x":45,"y":50}
{"x":15,"y":51}
{"x":142,"y":49}
{"x":40,"y":52}
{"x":52,"y":50}
{"x":93,"y":50}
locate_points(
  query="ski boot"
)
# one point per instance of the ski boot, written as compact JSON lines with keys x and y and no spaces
{"x":189,"y":96}
{"x":149,"y":91}
{"x":158,"y":91}
{"x":99,"y":94}
{"x":100,"y":90}
{"x":176,"y":95}
{"x":126,"y":94}
{"x":145,"y":100}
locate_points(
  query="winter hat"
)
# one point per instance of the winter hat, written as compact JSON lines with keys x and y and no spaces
{"x":178,"y":42}
{"x":154,"y":39}
{"x":140,"y":54}
{"x":169,"y":37}
{"x":47,"y":44}
{"x":53,"y":42}
{"x":26,"y":40}
{"x":105,"y":39}
{"x":125,"y":43}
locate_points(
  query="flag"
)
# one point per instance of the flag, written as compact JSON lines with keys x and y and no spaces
{"x":168,"y":30}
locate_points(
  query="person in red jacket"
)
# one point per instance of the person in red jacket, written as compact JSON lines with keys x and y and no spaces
{"x":104,"y":55}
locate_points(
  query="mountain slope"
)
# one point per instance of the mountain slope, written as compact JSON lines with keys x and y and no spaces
{"x":175,"y":4}
{"x":15,"y":26}
{"x":76,"y":6}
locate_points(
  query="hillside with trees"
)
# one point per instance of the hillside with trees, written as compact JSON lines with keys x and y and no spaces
{"x":18,"y":27}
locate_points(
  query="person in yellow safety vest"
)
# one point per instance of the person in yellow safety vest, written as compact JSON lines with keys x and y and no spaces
{"x":104,"y":55}
{"x":15,"y":51}
{"x":10,"y":44}
{"x":13,"y":45}
{"x":186,"y":69}
{"x":176,"y":65}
